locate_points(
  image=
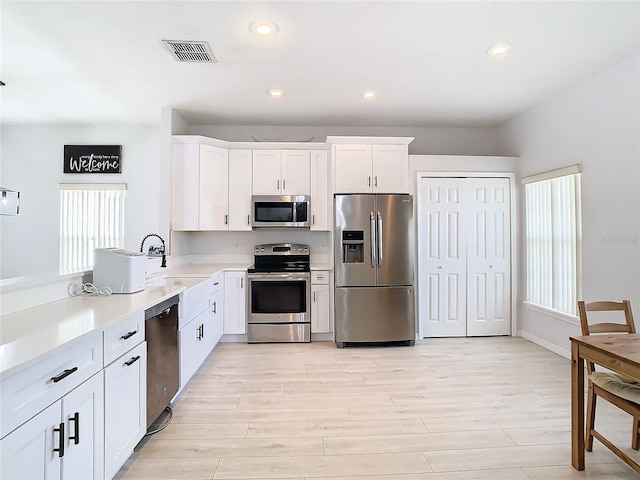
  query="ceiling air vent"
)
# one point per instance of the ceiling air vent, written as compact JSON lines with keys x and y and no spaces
{"x":190,"y":51}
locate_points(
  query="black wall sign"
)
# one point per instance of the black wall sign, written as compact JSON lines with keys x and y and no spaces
{"x":92,"y":158}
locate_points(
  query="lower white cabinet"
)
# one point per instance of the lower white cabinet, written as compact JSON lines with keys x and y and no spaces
{"x":320,"y":302}
{"x":235,"y":302}
{"x":125,"y":407}
{"x":65,"y":440}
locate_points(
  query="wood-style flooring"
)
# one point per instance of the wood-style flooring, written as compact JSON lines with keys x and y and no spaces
{"x":446,"y":409}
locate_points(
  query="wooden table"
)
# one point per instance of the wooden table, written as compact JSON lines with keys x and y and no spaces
{"x":619,"y":353}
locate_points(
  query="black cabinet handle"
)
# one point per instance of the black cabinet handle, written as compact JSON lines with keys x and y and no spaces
{"x":132,"y":361}
{"x":76,"y":420}
{"x":64,"y":374}
{"x":128,"y":335}
{"x":60,"y":439}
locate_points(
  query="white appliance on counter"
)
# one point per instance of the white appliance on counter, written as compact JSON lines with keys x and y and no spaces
{"x":120,"y":270}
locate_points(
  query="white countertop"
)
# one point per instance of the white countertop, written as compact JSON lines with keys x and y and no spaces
{"x":30,"y":335}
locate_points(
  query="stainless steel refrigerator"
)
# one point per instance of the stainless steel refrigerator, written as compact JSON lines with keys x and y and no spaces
{"x":374,"y":297}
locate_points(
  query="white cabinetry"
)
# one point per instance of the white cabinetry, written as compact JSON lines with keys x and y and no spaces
{"x":235,"y":302}
{"x":240,"y":189}
{"x":125,"y":405}
{"x":125,"y":389}
{"x":211,"y":188}
{"x":65,"y":440}
{"x":200,"y":187}
{"x":319,"y":190}
{"x":281,"y":172}
{"x":320,"y":302}
{"x":200,"y":326}
{"x":371,"y":168}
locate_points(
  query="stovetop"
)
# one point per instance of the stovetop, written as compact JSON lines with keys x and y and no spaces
{"x":280,"y":257}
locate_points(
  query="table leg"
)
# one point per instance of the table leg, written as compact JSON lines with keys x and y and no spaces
{"x":577,"y":408}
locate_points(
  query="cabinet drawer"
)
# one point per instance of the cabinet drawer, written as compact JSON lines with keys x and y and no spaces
{"x":320,"y":277}
{"x":26,"y":393}
{"x":123,"y":336}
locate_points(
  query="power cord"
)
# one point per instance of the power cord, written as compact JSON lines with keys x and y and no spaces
{"x":87,"y":289}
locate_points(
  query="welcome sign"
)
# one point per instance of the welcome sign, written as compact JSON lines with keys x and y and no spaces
{"x":92,"y":158}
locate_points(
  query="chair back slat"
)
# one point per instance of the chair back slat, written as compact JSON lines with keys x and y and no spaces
{"x":605,"y":327}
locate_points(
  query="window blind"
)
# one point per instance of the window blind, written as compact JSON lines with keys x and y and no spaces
{"x":553,"y":241}
{"x":91,"y":216}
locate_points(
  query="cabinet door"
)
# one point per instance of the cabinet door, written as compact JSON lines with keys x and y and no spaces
{"x":83,"y":415}
{"x":188,"y":337}
{"x":217,"y":315}
{"x":27,"y":452}
{"x":235,"y":314}
{"x":267,"y":172}
{"x":320,"y":318}
{"x":296,"y":172}
{"x":213,"y":187}
{"x":240,"y":190}
{"x":125,"y":407}
{"x":186,"y":174}
{"x":390,"y":168}
{"x":353,"y":170}
{"x":319,"y":190}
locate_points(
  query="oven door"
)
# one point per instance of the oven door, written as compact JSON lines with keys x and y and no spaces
{"x":279,"y":297}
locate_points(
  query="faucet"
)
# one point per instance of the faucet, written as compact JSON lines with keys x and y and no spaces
{"x":164,"y":257}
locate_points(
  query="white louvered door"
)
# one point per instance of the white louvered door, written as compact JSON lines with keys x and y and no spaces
{"x":464,"y":257}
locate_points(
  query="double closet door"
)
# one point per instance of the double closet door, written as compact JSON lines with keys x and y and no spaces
{"x":464,"y":259}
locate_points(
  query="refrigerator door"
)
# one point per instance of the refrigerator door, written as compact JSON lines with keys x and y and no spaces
{"x":355,"y":250}
{"x":394,"y":231}
{"x":374,"y":314}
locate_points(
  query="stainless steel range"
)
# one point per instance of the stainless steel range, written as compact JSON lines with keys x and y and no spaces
{"x":279,"y":294}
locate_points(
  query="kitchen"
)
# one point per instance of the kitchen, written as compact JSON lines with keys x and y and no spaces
{"x":443,"y":149}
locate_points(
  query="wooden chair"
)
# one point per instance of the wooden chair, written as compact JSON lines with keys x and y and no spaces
{"x":622,"y":392}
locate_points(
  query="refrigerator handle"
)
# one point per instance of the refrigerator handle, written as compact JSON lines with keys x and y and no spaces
{"x":379,"y":239}
{"x":372,"y":219}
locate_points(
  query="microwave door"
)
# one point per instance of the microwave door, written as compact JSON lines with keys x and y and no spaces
{"x":355,"y":248}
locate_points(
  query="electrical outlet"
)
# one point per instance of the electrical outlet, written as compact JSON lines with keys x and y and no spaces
{"x":237,"y":246}
{"x":323,"y":246}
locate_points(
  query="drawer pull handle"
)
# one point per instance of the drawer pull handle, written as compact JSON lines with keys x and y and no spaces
{"x":60,"y":431}
{"x":128,"y":335}
{"x":64,"y":374}
{"x":216,"y":283}
{"x":132,"y":361}
{"x":76,"y":420}
{"x":213,"y":307}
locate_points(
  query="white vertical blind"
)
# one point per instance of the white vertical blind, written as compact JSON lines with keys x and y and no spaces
{"x":553,"y":238}
{"x":91,"y":216}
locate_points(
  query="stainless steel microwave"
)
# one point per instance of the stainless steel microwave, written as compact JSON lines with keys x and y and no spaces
{"x":274,"y":211}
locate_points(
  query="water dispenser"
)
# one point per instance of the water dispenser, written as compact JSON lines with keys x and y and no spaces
{"x":352,"y":246}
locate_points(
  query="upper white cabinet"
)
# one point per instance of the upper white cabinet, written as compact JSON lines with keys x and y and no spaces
{"x":371,"y":168}
{"x":211,"y":188}
{"x":281,"y":172}
{"x":240,"y":190}
{"x":200,"y":187}
{"x":319,"y":202}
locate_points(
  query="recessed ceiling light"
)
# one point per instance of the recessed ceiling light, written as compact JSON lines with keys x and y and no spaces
{"x":499,"y":49}
{"x":264,"y":29}
{"x":369,"y":94}
{"x":275,"y":92}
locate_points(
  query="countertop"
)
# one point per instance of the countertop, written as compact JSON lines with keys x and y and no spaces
{"x":30,"y":335}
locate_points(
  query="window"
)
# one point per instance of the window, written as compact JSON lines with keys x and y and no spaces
{"x":553,"y":239}
{"x":91,"y":216}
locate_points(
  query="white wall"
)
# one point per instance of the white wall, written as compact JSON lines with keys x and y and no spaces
{"x":434,"y":141}
{"x":32,"y":163}
{"x":595,"y":123}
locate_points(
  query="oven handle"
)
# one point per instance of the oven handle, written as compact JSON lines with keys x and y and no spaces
{"x":279,"y":276}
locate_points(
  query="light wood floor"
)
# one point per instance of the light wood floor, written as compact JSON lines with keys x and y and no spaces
{"x":454,"y":409}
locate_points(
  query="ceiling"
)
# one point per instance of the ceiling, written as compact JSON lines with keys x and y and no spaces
{"x":82,"y":62}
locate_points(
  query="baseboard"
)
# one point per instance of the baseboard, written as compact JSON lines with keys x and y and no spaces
{"x":545,"y":344}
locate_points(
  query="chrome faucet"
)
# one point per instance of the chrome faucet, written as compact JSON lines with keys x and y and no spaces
{"x":164,"y":257}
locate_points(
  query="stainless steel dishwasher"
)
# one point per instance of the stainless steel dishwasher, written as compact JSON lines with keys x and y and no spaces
{"x":163,"y":367}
